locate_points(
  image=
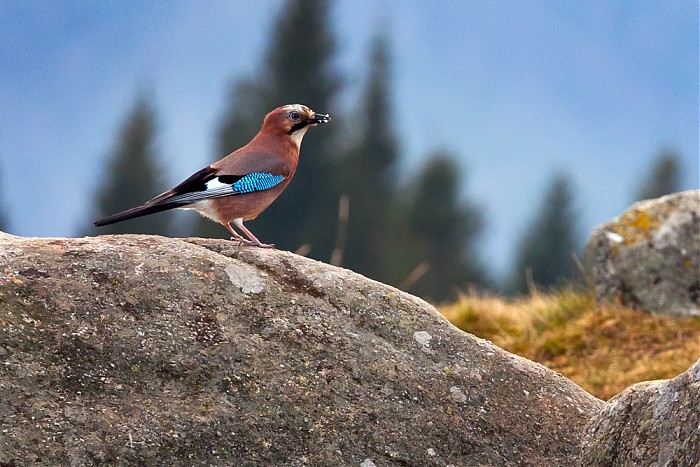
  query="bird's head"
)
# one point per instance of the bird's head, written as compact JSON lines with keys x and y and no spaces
{"x":293,"y":120}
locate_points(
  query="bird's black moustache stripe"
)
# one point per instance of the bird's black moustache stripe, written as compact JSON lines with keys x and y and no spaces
{"x":298,"y":126}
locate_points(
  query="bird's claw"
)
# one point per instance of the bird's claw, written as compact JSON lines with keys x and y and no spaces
{"x":243,"y":241}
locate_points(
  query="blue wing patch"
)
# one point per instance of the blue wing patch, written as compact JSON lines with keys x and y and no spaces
{"x":227,"y":185}
{"x":256,"y":181}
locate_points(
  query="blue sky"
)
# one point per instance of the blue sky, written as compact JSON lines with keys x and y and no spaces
{"x":519,"y":91}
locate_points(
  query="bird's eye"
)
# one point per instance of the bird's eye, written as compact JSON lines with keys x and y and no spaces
{"x":294,"y":115}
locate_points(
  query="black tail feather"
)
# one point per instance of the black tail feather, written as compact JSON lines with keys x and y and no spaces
{"x":138,"y":211}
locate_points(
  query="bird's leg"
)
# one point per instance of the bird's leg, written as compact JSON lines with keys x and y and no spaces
{"x":236,"y":236}
{"x":249,"y":234}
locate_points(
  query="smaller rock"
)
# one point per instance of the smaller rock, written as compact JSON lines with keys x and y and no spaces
{"x":648,"y":258}
{"x":648,"y":424}
{"x":368,"y":463}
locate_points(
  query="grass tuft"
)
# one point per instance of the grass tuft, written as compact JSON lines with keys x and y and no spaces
{"x":603,"y":350}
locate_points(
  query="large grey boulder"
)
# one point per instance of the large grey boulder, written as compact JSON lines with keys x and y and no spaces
{"x":649,"y":257}
{"x":655,"y":423}
{"x":141,"y":350}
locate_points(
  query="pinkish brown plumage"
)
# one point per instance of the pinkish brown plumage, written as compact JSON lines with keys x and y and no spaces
{"x":240,"y":186}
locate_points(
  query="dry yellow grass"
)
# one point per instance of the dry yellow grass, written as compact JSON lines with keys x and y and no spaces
{"x":603,"y":351}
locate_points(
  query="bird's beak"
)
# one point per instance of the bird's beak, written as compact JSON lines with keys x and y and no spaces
{"x":319,"y":118}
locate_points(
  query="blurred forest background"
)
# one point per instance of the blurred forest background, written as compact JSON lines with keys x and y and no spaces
{"x":350,"y":203}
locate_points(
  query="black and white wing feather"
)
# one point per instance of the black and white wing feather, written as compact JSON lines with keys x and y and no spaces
{"x":202,"y":185}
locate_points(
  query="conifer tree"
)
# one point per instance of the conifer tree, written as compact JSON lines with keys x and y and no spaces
{"x":445,"y":229}
{"x":133,"y":176}
{"x":545,"y":255}
{"x":368,"y":173}
{"x":298,"y":69}
{"x":664,"y":177}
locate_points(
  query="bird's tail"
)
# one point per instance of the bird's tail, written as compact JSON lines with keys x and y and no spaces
{"x":138,"y":211}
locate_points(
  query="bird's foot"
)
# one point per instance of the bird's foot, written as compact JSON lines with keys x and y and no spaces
{"x":244,"y":241}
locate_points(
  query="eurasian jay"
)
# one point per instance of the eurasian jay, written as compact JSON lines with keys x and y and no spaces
{"x":243,"y":184}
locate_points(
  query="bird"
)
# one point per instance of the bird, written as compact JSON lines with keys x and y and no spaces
{"x":243,"y":184}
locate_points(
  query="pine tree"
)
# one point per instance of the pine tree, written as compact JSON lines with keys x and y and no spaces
{"x":445,"y":230}
{"x":545,"y":255}
{"x":133,"y":175}
{"x":664,"y":177}
{"x":298,"y":69}
{"x":368,"y":173}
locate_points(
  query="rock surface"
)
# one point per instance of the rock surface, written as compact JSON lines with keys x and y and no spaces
{"x":649,"y":257}
{"x":153,"y":351}
{"x":655,"y":423}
